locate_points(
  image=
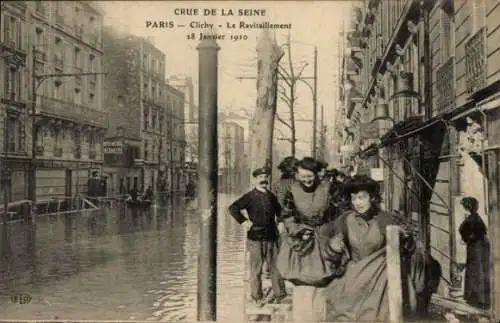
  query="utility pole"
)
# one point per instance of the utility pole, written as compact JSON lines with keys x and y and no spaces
{"x":5,"y":172}
{"x":171,"y":156}
{"x":208,"y":178}
{"x":315,"y":102}
{"x":322,"y":133}
{"x":34,"y":132}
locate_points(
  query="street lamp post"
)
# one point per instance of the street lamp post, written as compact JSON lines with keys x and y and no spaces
{"x":36,"y":81}
{"x":5,"y":173}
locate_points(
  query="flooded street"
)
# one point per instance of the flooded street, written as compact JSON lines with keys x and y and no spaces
{"x":114,"y":264}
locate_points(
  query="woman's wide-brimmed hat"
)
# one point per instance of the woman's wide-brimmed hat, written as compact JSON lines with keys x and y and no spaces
{"x":288,"y":164}
{"x":362,"y":183}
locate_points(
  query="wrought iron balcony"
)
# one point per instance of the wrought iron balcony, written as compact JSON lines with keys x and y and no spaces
{"x":92,"y":154}
{"x":79,"y":114}
{"x":475,"y":61}
{"x":445,"y":87}
{"x":13,"y":51}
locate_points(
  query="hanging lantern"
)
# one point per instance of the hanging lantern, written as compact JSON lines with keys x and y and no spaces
{"x":405,"y":82}
{"x":381,"y":112}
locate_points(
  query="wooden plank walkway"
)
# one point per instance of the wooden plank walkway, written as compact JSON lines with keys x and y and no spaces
{"x":269,"y":312}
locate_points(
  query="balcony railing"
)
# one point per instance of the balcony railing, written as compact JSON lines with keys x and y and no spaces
{"x":71,"y":111}
{"x":445,"y":87}
{"x":475,"y":61}
{"x":92,"y":154}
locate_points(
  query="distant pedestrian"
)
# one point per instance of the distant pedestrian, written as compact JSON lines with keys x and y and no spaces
{"x":287,"y":167}
{"x":262,"y":207}
{"x":322,"y":166}
{"x":477,"y":269}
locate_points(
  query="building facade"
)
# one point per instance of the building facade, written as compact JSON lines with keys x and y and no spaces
{"x":185,"y":84}
{"x":430,"y":80}
{"x":135,"y":97}
{"x":175,"y":140}
{"x":231,"y":151}
{"x":47,"y":46}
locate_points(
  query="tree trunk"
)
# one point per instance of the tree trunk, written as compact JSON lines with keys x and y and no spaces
{"x":268,"y":56}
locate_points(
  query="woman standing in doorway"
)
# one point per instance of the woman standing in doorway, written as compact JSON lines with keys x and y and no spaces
{"x":477,"y":270}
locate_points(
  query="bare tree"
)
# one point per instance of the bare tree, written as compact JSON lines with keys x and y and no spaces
{"x":286,"y":92}
{"x":269,"y":55}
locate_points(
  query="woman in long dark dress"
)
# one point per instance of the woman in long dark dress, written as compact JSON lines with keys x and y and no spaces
{"x":361,"y":294}
{"x":477,"y":271}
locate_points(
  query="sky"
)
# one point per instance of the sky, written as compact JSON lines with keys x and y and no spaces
{"x":314,"y":23}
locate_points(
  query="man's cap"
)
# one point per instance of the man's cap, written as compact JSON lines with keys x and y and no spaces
{"x":261,"y":171}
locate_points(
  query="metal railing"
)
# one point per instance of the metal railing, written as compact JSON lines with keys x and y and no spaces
{"x":72,"y":111}
{"x":445,"y":87}
{"x":475,"y":61}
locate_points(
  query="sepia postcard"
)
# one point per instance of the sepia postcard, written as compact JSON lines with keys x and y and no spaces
{"x":232,"y":161}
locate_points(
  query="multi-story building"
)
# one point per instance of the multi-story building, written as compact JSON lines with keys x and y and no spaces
{"x":185,"y":84}
{"x":231,"y":149}
{"x":135,"y":98}
{"x":175,"y":140}
{"x":430,"y":83}
{"x":50,"y":45}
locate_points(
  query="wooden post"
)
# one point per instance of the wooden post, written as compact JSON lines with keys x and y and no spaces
{"x":494,"y":233}
{"x":268,"y":55}
{"x":394,"y":275}
{"x":207,"y":184}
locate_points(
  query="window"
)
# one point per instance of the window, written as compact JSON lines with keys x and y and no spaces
{"x":78,"y":97}
{"x":478,"y":16}
{"x":153,"y":152}
{"x":77,"y":58}
{"x":12,"y":32}
{"x":145,"y":150}
{"x":12,"y":87}
{"x":40,"y":7}
{"x":146,"y":118}
{"x":91,"y":99}
{"x":13,"y":134}
{"x":92,"y":65}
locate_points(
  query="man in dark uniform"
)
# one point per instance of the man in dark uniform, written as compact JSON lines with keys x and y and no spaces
{"x":262,"y":207}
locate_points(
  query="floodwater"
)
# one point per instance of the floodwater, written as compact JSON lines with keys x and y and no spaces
{"x":114,"y":264}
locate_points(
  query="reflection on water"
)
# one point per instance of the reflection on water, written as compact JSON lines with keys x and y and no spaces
{"x":116,"y":264}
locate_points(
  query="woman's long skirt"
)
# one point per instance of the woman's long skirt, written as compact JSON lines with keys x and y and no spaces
{"x":477,"y":274}
{"x":361,"y":294}
{"x":309,"y":304}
